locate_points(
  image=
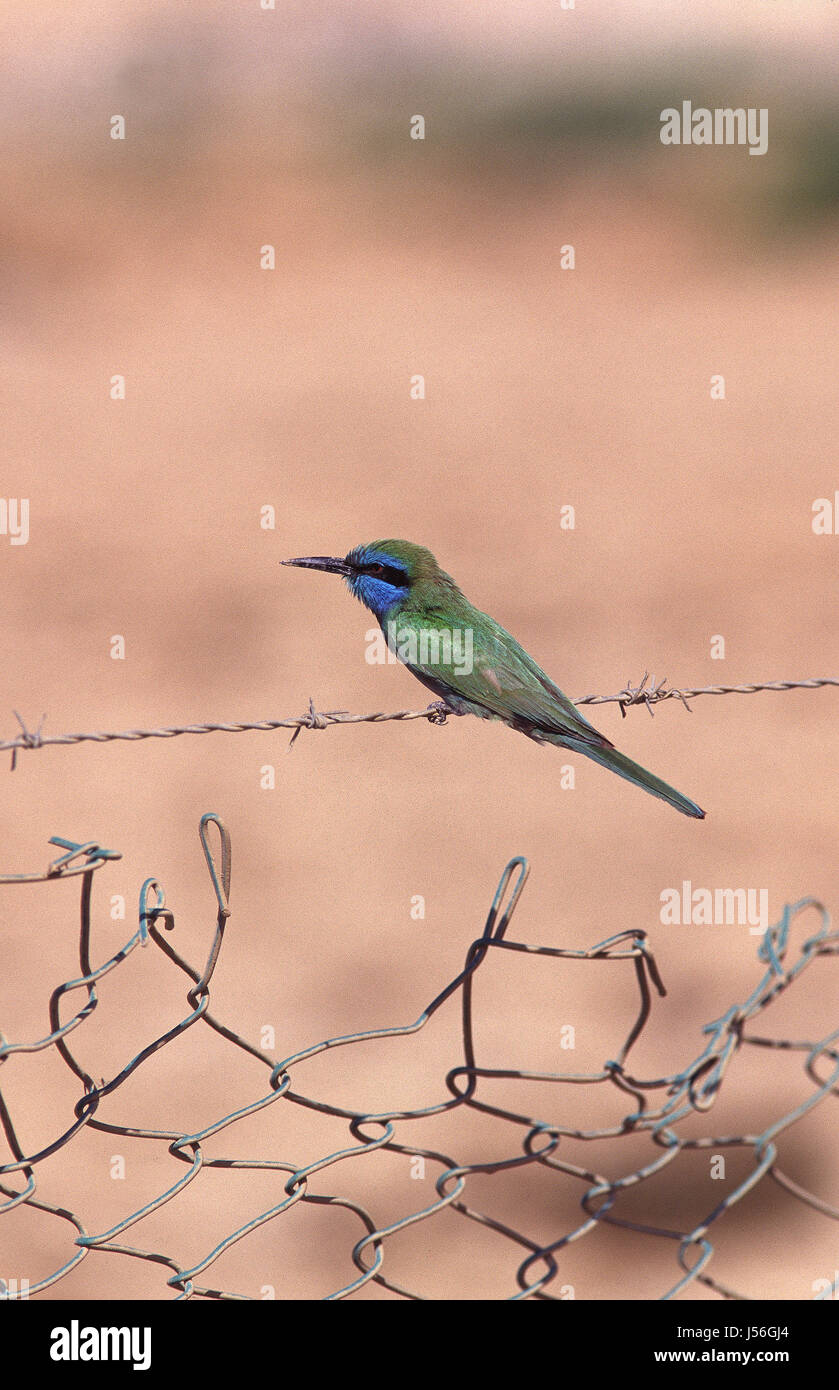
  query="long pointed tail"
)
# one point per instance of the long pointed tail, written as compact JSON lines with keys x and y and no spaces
{"x":633,"y":772}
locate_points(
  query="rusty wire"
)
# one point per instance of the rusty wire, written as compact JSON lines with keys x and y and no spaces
{"x":648,"y":692}
{"x":657,"y":1106}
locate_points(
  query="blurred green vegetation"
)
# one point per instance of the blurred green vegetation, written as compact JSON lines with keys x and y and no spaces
{"x":530,"y":123}
{"x":477,"y":124}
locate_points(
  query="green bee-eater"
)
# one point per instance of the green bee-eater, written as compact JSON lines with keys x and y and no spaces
{"x":468,"y":659}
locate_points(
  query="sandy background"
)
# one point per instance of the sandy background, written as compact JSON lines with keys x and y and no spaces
{"x":247,"y":388}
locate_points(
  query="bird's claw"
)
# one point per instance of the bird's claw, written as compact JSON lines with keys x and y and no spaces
{"x":438,"y":712}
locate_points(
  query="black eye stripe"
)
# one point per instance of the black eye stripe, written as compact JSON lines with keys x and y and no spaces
{"x":398,"y":578}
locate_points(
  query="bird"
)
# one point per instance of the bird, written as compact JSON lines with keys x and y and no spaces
{"x":469,"y":660}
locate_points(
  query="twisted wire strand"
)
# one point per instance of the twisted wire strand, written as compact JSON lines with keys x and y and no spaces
{"x":648,"y":692}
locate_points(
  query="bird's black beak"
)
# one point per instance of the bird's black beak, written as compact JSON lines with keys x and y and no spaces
{"x":322,"y":562}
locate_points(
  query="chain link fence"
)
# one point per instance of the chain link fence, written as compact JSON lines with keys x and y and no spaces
{"x":658,"y":1108}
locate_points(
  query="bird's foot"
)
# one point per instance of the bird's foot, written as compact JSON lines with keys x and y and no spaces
{"x":438,"y":712}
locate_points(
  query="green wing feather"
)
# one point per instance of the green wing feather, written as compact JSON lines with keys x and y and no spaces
{"x":504,"y":683}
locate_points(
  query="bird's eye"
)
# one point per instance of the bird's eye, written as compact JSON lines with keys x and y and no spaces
{"x":377,"y":569}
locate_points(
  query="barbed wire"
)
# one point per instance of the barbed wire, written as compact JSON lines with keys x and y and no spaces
{"x":657,"y":1106}
{"x":641,"y":694}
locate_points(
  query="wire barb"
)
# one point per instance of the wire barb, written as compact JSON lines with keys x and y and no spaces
{"x":26,"y":739}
